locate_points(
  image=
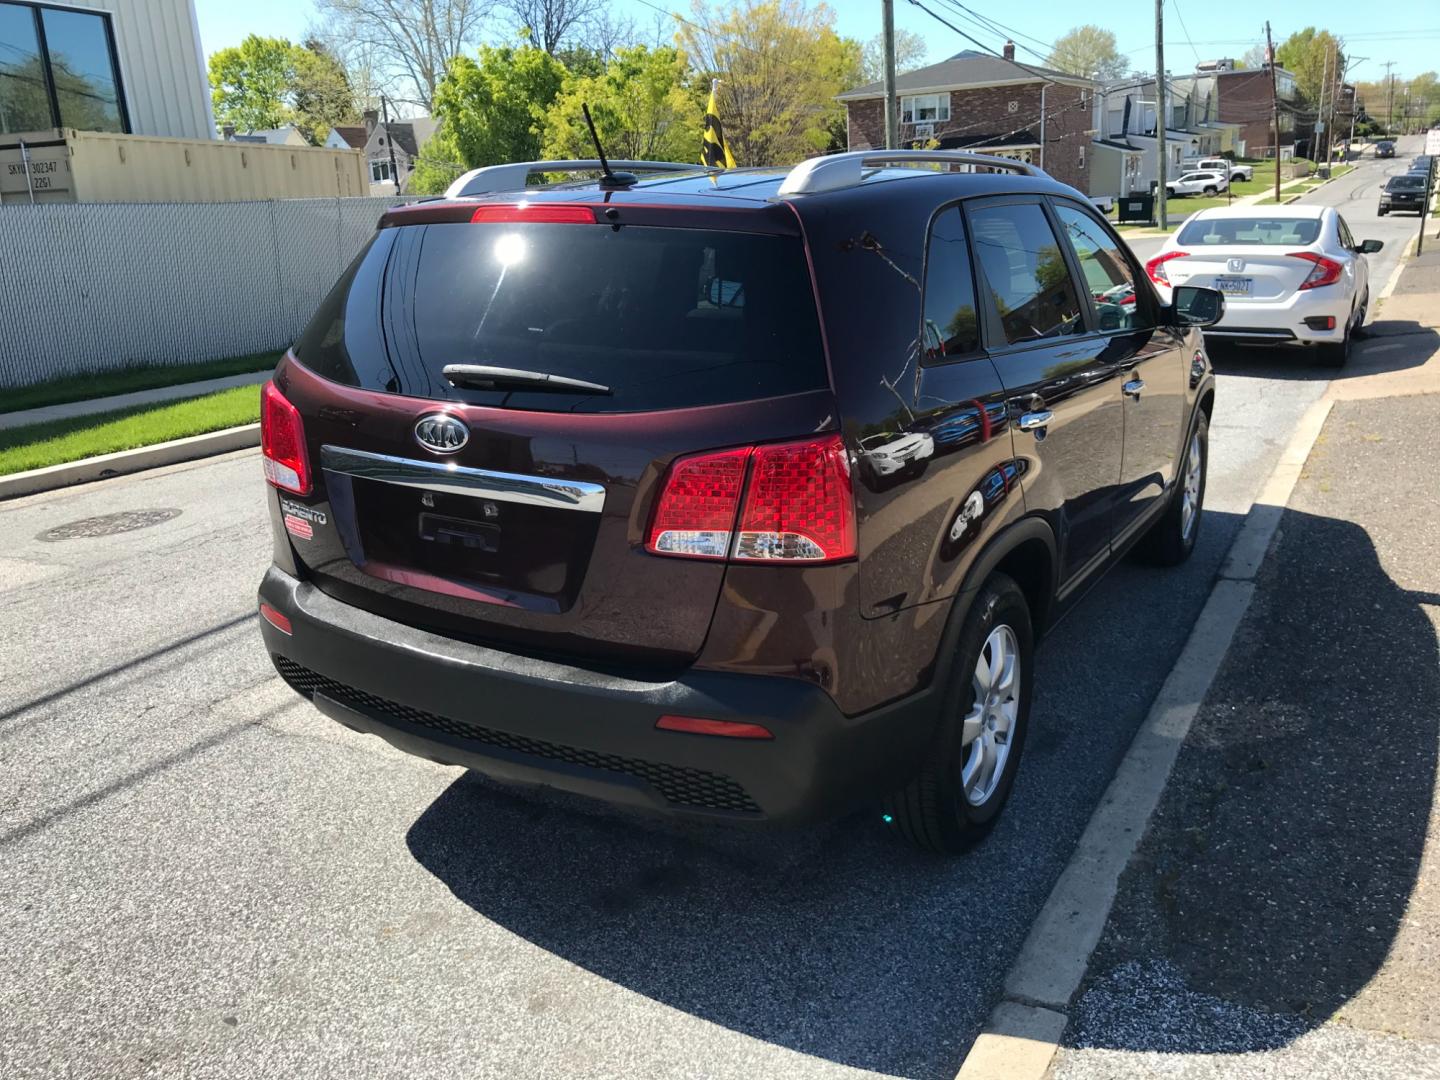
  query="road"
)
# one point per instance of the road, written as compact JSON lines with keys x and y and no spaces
{"x":205,"y":877}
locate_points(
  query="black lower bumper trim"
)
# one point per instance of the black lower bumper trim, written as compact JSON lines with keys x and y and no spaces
{"x":681,"y":786}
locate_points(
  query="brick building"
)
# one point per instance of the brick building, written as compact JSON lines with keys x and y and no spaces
{"x":976,"y":101}
{"x":1244,"y":99}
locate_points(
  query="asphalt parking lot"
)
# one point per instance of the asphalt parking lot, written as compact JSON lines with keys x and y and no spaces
{"x":206,"y":877}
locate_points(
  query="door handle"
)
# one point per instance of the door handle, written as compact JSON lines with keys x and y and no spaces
{"x":1133,"y":387}
{"x":1030,"y":421}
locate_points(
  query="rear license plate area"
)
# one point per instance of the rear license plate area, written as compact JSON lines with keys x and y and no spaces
{"x":1235,"y":286}
{"x":514,"y":546}
{"x":475,"y":536}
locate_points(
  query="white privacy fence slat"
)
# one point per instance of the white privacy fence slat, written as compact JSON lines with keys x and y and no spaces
{"x":89,"y":287}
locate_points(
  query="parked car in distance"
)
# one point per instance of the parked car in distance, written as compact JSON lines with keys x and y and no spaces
{"x":1420,"y":165}
{"x":1294,"y":275}
{"x":605,"y":486}
{"x":1223,"y":166}
{"x":1197,"y":183}
{"x":1384,"y":148}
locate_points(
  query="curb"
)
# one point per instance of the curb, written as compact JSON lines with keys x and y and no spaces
{"x":1024,"y":1030}
{"x":129,"y":461}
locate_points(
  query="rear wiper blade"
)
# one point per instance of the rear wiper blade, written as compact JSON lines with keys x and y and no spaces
{"x":485,"y":377}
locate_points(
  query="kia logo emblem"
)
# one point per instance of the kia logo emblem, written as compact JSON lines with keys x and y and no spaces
{"x":442,"y":433}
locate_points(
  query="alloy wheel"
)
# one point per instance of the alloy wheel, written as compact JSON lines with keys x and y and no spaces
{"x":990,"y":724}
{"x":1190,"y":496}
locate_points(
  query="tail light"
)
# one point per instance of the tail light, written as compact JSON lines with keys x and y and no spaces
{"x":282,"y":443}
{"x":1325,"y":271}
{"x":798,"y":507}
{"x":695,"y":514}
{"x":1156,"y":266}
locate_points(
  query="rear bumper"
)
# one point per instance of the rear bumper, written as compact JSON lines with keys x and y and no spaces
{"x":590,"y":732}
{"x":1283,"y":322}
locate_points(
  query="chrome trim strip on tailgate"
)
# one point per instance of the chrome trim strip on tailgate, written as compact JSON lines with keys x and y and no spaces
{"x":452,"y":479}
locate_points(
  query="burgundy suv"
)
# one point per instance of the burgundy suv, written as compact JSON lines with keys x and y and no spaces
{"x":736,"y":495}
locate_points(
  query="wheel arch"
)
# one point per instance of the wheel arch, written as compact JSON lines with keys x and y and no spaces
{"x":1025,"y":551}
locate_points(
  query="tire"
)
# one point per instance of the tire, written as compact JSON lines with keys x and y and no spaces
{"x":1170,"y":193}
{"x":935,"y":811}
{"x":1171,"y":539}
{"x":1357,"y":329}
{"x":1381,"y":213}
{"x":1211,"y":192}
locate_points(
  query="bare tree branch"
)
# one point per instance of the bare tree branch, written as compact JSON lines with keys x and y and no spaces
{"x":406,"y":44}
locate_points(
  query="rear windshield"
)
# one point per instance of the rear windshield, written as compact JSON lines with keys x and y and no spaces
{"x":1251,"y":230}
{"x":664,"y":318}
{"x":1405,"y":183}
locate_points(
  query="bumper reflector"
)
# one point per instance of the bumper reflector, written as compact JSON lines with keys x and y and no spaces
{"x":1320,"y":322}
{"x":274,"y":618}
{"x":696,"y":725}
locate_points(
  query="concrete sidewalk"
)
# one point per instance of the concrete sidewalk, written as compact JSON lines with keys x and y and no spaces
{"x":1282,"y":915}
{"x":156,"y":396}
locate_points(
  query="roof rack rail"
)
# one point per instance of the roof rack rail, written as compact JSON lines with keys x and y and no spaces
{"x":514,"y":176}
{"x":834,"y":172}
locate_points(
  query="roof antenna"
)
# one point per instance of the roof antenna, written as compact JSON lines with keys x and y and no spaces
{"x":609,"y":181}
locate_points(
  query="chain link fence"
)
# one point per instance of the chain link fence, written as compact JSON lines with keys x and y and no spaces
{"x":93,"y":287}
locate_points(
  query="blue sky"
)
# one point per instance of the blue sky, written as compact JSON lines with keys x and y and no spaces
{"x":1193,"y":28}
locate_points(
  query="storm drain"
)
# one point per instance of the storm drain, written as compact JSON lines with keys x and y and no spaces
{"x":108,"y":524}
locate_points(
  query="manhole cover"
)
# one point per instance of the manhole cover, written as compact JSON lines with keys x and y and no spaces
{"x":108,"y":524}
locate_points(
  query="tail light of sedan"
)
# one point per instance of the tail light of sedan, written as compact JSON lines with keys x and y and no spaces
{"x":1325,"y":271}
{"x":1156,"y":266}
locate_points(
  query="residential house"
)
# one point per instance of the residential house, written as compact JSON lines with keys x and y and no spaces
{"x":1244,"y":100}
{"x":347,"y":137}
{"x":985,"y":103}
{"x":1125,"y":125}
{"x":286,"y":135}
{"x":394,"y":146}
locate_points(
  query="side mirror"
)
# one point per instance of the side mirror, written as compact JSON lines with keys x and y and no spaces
{"x":1370,"y":247}
{"x":1196,"y":306}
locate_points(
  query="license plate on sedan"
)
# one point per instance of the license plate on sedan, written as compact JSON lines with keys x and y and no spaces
{"x":1235,"y":286}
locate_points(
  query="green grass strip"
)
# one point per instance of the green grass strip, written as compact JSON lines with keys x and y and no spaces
{"x":39,"y":445}
{"x":127,"y":380}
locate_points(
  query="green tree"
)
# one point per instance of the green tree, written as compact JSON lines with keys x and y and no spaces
{"x":490,"y":111}
{"x":781,"y":64}
{"x":1088,"y":51}
{"x":1313,"y":57}
{"x":321,"y":95}
{"x":641,"y":106}
{"x":250,"y":83}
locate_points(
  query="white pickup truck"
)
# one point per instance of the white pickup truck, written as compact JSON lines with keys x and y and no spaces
{"x":1222,"y":166}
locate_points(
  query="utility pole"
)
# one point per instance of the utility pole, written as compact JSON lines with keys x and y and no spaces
{"x":1390,"y":103}
{"x":1274,"y":105}
{"x":1320,"y":108}
{"x":390,"y":142}
{"x":892,"y":111}
{"x":1160,"y":113}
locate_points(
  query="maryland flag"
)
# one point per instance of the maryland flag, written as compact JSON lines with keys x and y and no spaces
{"x":713,"y":149}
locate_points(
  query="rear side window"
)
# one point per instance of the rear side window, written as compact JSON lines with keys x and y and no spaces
{"x":952,"y":325}
{"x":1029,"y":284}
{"x":1251,"y":230}
{"x":665,"y":318}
